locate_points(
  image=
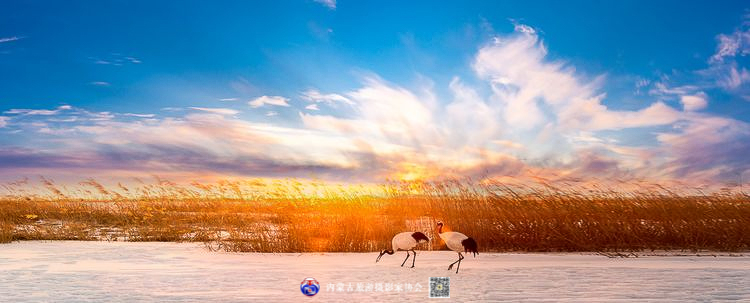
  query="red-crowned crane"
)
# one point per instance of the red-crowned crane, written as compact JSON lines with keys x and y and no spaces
{"x":457,"y":242}
{"x":405,"y":241}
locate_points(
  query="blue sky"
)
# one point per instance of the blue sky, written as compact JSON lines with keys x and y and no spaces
{"x":368,"y":91}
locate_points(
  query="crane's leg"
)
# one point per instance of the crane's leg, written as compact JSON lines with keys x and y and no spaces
{"x":460,"y":257}
{"x":413,"y":258}
{"x":407,"y":258}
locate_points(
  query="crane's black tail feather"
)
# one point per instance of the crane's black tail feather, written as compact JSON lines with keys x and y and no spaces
{"x":418,"y":236}
{"x":470,"y":246}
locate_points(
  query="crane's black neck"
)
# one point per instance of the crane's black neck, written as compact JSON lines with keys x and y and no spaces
{"x":383,"y":252}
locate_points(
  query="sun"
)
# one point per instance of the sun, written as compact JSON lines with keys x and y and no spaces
{"x":412,"y":172}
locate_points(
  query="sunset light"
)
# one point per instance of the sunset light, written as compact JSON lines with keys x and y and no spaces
{"x":374,"y":151}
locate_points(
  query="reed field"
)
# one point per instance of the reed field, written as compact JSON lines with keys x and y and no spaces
{"x":289,"y":216}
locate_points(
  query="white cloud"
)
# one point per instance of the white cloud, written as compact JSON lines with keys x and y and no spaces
{"x":38,"y":112}
{"x":706,"y":148}
{"x":724,"y":68}
{"x":591,"y":115}
{"x":469,"y":120}
{"x":411,"y":134}
{"x":533,"y":91}
{"x":727,"y":47}
{"x":331,"y":4}
{"x":661,"y":89}
{"x":228,"y":99}
{"x":694,"y":102}
{"x":732,"y":77}
{"x":330,"y":99}
{"x":100,"y":83}
{"x":522,"y":28}
{"x":401,"y":115}
{"x":269,"y":100}
{"x":99,"y":116}
{"x":508,"y":144}
{"x":139,"y":115}
{"x":44,"y":112}
{"x":220,"y":111}
{"x":271,"y":113}
{"x":116,"y":59}
{"x":4,"y":121}
{"x":641,"y":83}
{"x":731,"y":45}
{"x":10,"y":39}
{"x":202,"y":143}
{"x":133,"y":60}
{"x":312,"y":107}
{"x":517,"y":68}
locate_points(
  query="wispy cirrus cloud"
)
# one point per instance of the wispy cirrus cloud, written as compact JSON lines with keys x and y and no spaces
{"x":330,"y":99}
{"x":44,"y":112}
{"x":331,"y":4}
{"x":139,"y":115}
{"x":216,"y":110}
{"x":707,"y":148}
{"x":207,"y":144}
{"x":41,"y":112}
{"x":724,"y":68}
{"x":100,"y":83}
{"x":10,"y":39}
{"x":732,"y":77}
{"x":661,"y":89}
{"x":269,"y":100}
{"x":733,"y":44}
{"x":115,"y":59}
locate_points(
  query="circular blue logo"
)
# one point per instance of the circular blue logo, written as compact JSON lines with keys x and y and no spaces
{"x":309,"y":287}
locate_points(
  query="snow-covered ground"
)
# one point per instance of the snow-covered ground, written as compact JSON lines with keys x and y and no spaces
{"x":169,"y":272}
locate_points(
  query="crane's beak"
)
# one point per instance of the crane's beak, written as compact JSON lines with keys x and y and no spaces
{"x":381,"y":255}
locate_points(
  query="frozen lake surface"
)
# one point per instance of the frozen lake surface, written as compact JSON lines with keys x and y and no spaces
{"x":171,"y":272}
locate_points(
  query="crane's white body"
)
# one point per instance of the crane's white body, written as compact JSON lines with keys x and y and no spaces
{"x":453,"y":240}
{"x":403,"y":241}
{"x":457,"y":242}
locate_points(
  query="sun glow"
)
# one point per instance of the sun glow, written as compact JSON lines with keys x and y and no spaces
{"x":413,"y":172}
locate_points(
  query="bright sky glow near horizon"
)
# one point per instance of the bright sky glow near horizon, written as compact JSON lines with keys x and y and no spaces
{"x":364,"y":91}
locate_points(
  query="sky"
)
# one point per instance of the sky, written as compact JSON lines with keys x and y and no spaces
{"x":359,"y":91}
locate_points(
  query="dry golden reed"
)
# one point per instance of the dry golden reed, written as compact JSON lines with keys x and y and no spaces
{"x":289,"y":216}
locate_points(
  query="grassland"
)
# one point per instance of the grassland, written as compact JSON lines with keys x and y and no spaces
{"x":290,"y":217}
